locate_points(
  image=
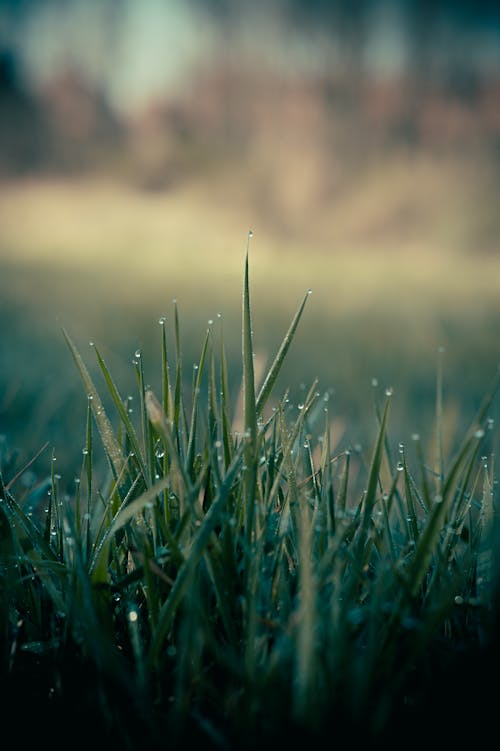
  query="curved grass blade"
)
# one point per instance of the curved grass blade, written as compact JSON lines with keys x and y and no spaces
{"x":111,"y":445}
{"x":429,"y":536}
{"x":118,"y":402}
{"x":275,"y":368}
{"x":160,"y":423}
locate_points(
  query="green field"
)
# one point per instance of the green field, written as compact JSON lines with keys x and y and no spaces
{"x":106,"y":261}
{"x":222,"y":572}
{"x":249,"y":375}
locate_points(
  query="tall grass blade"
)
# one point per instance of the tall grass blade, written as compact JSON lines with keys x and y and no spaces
{"x":122,"y":411}
{"x":194,"y":407}
{"x":110,"y":443}
{"x":249,"y":404}
{"x":275,"y":368}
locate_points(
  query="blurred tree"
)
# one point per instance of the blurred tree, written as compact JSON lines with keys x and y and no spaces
{"x":22,"y":122}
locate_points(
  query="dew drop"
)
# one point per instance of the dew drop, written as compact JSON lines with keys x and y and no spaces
{"x":309,"y":291}
{"x":137,"y":353}
{"x":300,"y":406}
{"x":132,"y":616}
{"x":415,"y":436}
{"x":374,"y":382}
{"x":400,"y":466}
{"x":162,"y":320}
{"x":479,"y":433}
{"x":389,"y":391}
{"x":250,"y":233}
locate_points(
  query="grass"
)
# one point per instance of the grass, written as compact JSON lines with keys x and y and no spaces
{"x":380,"y":306}
{"x":233,"y":578}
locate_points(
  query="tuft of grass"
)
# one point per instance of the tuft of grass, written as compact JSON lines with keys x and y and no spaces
{"x":234,"y":587}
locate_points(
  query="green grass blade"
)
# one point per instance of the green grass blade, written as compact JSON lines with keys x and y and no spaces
{"x":249,"y":404}
{"x":110,"y":443}
{"x":374,"y":472}
{"x":225,"y":403}
{"x":162,"y":427}
{"x":165,"y":373}
{"x":122,"y":411}
{"x":194,"y":407}
{"x":275,"y":368}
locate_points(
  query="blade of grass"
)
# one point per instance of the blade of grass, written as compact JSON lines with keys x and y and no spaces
{"x":110,"y":443}
{"x":122,"y":411}
{"x":249,"y":408}
{"x":275,"y":368}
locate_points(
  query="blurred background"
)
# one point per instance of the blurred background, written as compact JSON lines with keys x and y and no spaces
{"x":140,"y":140}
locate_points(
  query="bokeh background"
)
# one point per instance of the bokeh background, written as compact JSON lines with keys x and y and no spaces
{"x":140,"y":140}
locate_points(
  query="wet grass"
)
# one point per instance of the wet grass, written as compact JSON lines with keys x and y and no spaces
{"x":222,"y":570}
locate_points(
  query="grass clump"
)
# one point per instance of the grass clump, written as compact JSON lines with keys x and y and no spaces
{"x":234,"y":581}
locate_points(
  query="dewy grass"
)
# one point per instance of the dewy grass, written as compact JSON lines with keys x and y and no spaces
{"x":237,"y":587}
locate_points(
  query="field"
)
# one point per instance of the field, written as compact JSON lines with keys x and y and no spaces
{"x":105,"y":261}
{"x":214,"y":566}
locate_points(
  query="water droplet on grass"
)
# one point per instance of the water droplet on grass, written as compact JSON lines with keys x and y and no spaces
{"x":389,"y":391}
